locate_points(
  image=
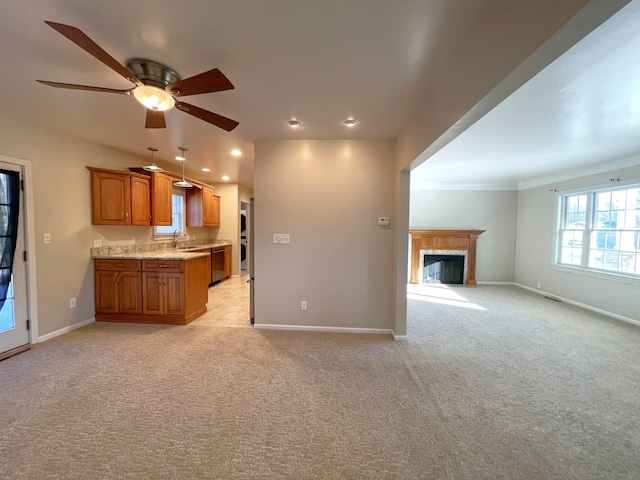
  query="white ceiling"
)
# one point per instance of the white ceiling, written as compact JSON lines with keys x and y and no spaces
{"x":319,"y":62}
{"x":579,"y":115}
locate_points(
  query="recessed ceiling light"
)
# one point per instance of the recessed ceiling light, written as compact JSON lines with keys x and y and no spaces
{"x":293,"y":123}
{"x":206,"y":170}
{"x":225,"y":178}
{"x":235,"y":152}
{"x":350,"y":122}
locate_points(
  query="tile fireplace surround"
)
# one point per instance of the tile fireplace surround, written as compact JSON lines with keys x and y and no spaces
{"x":442,"y":240}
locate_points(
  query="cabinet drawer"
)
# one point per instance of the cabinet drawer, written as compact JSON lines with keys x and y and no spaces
{"x":120,"y":265}
{"x":163,"y":265}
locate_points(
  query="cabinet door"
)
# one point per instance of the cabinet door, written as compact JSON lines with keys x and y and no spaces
{"x":227,"y":261}
{"x":215,"y":222}
{"x":110,"y":198}
{"x":106,"y":290}
{"x":173,"y":284}
{"x":152,"y":293}
{"x":140,"y":201}
{"x":207,"y":207}
{"x":129,"y":292}
{"x":161,"y":188}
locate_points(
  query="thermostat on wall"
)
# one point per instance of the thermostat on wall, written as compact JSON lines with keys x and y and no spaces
{"x":383,"y":221}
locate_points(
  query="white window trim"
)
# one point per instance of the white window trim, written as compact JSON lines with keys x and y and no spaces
{"x":166,"y":236}
{"x":583,"y":269}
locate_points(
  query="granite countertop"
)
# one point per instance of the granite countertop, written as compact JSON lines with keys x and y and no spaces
{"x":159,"y":251}
{"x":215,"y":246}
{"x":157,"y":255}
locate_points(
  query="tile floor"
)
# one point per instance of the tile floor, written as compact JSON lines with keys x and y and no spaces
{"x":228,"y":304}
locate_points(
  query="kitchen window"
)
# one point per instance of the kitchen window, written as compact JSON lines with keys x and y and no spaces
{"x":177,"y":214}
{"x":600,"y":230}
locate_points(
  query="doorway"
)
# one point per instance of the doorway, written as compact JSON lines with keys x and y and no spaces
{"x":14,"y":312}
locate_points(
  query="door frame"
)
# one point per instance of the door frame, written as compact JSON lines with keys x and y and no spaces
{"x":29,"y":243}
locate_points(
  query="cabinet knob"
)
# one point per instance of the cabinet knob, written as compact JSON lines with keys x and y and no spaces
{"x":163,"y":266}
{"x":159,"y":281}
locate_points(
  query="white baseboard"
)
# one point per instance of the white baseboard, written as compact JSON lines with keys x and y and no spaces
{"x":400,"y":338}
{"x":581,"y":305}
{"x":64,"y":330}
{"x":495,"y":283}
{"x":309,"y":328}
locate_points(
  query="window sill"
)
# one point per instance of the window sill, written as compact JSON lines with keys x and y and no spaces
{"x":613,"y":276}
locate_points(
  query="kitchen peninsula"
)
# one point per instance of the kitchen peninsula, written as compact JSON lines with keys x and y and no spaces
{"x":153,"y":283}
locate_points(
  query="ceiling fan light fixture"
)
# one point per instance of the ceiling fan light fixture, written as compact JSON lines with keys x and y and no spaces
{"x":153,"y":167}
{"x":154,"y":98}
{"x":350,"y":122}
{"x":293,"y":123}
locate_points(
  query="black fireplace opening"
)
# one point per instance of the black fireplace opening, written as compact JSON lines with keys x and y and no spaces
{"x":447,"y":269}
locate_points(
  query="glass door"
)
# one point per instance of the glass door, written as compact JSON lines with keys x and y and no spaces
{"x":14,"y":334}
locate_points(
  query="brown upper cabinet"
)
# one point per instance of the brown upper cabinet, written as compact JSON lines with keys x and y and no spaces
{"x":161,"y":188}
{"x":119,"y":198}
{"x":203,"y":207}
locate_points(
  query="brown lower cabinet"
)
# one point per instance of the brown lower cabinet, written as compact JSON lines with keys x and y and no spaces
{"x":151,"y":291}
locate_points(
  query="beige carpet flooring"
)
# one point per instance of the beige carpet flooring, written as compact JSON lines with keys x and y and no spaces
{"x":495,"y":383}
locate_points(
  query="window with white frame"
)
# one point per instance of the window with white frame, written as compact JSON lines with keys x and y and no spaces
{"x":177,"y":215}
{"x":600,"y":230}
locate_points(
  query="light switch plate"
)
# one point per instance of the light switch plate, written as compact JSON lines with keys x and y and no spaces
{"x":281,"y":238}
{"x":97,"y":243}
{"x":383,"y":221}
{"x":47,"y":238}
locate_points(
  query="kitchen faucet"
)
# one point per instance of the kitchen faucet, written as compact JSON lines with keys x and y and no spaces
{"x":175,"y":237}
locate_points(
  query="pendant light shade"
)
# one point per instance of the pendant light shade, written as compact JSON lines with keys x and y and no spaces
{"x":153,"y":167}
{"x":182,"y":183}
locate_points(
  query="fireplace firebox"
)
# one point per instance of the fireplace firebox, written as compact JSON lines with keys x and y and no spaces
{"x":448,"y":269}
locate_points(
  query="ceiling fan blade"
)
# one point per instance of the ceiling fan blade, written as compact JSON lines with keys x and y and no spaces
{"x":155,"y":119}
{"x":73,"y":86}
{"x":207,"y":82}
{"x":78,"y":37}
{"x":213,"y":118}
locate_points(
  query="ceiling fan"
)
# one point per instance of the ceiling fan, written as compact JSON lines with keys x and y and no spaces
{"x":156,"y":86}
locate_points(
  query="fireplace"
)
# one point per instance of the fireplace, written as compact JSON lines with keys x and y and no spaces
{"x":425,"y":243}
{"x":448,"y":269}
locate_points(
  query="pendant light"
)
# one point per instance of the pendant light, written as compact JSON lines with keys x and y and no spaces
{"x":153,"y":167}
{"x":182,"y":183}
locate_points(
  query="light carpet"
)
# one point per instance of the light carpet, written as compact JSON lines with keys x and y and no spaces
{"x":494,"y":383}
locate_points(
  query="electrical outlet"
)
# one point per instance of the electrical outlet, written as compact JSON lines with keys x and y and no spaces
{"x":72,"y":303}
{"x":539,"y":285}
{"x":47,"y":238}
{"x":383,"y":221}
{"x":281,"y":238}
{"x":97,"y":243}
{"x":303,"y":305}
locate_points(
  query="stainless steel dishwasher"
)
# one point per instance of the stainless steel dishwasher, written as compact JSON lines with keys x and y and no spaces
{"x":217,"y":264}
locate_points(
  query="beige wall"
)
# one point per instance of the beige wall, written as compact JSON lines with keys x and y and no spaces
{"x":62,"y":207}
{"x":327,"y":195}
{"x":490,"y":210}
{"x":229,"y":220}
{"x":535,"y":241}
